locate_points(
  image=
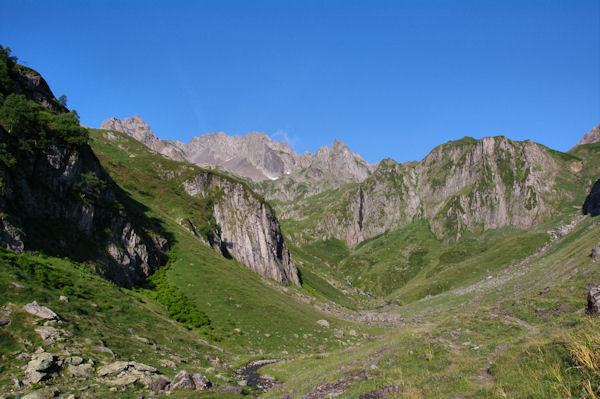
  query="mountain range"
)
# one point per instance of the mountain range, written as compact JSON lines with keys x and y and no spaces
{"x":132,"y":266}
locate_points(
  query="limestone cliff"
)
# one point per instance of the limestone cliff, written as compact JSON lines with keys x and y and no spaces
{"x":248,"y":228}
{"x":468,"y":184}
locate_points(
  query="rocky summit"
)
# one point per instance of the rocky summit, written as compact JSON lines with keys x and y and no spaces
{"x":592,"y":137}
{"x":254,"y":155}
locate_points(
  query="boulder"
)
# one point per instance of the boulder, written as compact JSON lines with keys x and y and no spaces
{"x":81,"y":370}
{"x":74,"y":360}
{"x":40,"y":311}
{"x":167,"y":363}
{"x":124,"y":380}
{"x":200,"y":382}
{"x":113,"y":368}
{"x":33,"y":377}
{"x":183,"y":380}
{"x":142,"y":367}
{"x":323,"y":323}
{"x":4,"y":321}
{"x":159,"y":383}
{"x":40,"y":361}
{"x":63,"y":298}
{"x":48,"y":334}
{"x":593,"y":301}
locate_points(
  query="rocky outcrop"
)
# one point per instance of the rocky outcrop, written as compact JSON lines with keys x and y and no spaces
{"x":56,"y":197}
{"x":137,"y":128}
{"x":468,"y":184}
{"x":257,"y":157}
{"x":249,"y":230}
{"x":592,"y":137}
{"x":40,"y":311}
{"x":33,"y":86}
{"x":62,"y":201}
{"x":591,"y":206}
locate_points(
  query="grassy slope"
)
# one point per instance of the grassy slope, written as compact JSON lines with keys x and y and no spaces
{"x":98,"y":314}
{"x":500,"y":337}
{"x":243,"y":310}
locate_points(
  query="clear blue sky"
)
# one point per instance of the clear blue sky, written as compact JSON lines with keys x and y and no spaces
{"x":391,"y":79}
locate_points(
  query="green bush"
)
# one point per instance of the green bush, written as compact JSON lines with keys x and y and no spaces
{"x":179,"y":307}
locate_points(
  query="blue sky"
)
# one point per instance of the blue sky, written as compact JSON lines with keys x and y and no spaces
{"x":389,"y":78}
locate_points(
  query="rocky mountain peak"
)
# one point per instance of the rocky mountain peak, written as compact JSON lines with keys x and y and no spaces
{"x":255,"y":155}
{"x":135,"y":127}
{"x":592,"y":137}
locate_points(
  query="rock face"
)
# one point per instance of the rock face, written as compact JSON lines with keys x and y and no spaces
{"x":591,"y":206}
{"x":464,"y":185}
{"x":254,"y":155}
{"x":592,"y":137}
{"x":58,"y":198}
{"x":137,"y":128}
{"x":249,"y":230}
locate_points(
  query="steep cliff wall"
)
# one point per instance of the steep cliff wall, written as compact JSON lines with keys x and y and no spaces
{"x":249,"y":230}
{"x":61,"y":201}
{"x":464,"y":185}
{"x":591,"y":205}
{"x":54,"y":194}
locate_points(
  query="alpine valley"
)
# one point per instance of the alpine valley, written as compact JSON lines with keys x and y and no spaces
{"x":232,"y":266}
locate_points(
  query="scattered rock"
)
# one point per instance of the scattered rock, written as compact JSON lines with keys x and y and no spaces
{"x":338,"y":333}
{"x":33,"y":376}
{"x":183,"y":380}
{"x":353,"y":333}
{"x":63,"y":298}
{"x":544,"y":291}
{"x":48,"y":334}
{"x":74,"y":360}
{"x":4,"y":321}
{"x":323,"y":323}
{"x":593,"y":301}
{"x":159,"y":383}
{"x":81,"y":370}
{"x":113,"y":368}
{"x":142,"y":367}
{"x":35,"y":395}
{"x":41,"y":361}
{"x":17,"y":285}
{"x":40,"y":311}
{"x":201,"y":382}
{"x":124,"y":380}
{"x":167,"y":363}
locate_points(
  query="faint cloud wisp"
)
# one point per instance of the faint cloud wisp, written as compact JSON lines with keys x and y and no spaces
{"x":282,"y":134}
